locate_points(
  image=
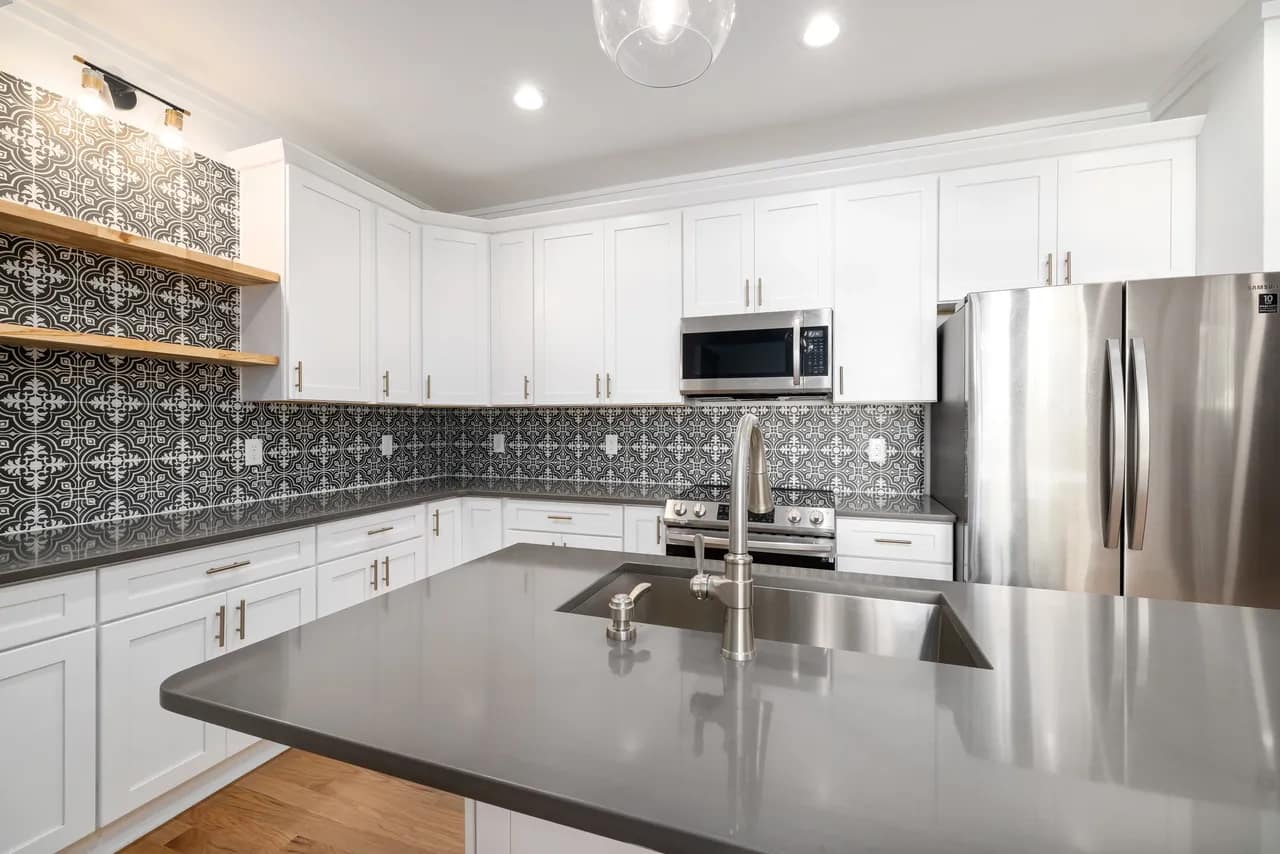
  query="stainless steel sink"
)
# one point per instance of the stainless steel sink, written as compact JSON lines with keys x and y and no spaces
{"x":880,"y":621}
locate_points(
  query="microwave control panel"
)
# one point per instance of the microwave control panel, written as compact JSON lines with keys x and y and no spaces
{"x":815,"y":351}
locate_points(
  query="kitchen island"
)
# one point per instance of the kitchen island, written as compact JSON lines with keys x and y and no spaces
{"x":1102,"y":724}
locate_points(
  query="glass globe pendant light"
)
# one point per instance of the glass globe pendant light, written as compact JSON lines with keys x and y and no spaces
{"x":663,"y":43}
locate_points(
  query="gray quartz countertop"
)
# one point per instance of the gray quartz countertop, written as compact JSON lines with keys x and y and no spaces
{"x":1104,"y":724}
{"x":39,"y":554}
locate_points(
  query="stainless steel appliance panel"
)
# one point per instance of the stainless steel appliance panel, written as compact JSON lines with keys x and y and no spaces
{"x":780,"y":353}
{"x":1039,"y":430}
{"x":1204,"y":430}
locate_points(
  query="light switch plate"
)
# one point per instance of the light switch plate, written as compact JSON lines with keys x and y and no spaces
{"x":253,"y":452}
{"x":499,"y":443}
{"x":876,"y":451}
{"x":611,"y":445}
{"x":387,"y":445}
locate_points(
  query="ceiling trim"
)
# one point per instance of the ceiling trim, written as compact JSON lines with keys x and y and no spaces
{"x":1270,"y":9}
{"x":1206,"y":57}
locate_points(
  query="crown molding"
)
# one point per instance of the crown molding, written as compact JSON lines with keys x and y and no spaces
{"x":1205,"y":58}
{"x":1270,"y":9}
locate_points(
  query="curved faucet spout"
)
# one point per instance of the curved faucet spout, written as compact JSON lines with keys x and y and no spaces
{"x":749,"y":485}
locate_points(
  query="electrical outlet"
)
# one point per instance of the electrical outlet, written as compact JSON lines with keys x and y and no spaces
{"x":253,"y":452}
{"x":876,"y":451}
{"x":611,"y":445}
{"x":387,"y":445}
{"x":498,"y":443}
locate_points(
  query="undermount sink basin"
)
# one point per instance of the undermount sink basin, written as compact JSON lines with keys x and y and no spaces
{"x":880,"y":621}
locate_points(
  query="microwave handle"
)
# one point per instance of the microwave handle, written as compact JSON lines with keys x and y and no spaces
{"x":795,"y":351}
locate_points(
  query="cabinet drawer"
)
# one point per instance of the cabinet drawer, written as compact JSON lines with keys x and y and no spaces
{"x":362,"y":533}
{"x":600,"y":520}
{"x":888,"y":539}
{"x":45,"y":608}
{"x":588,"y":541}
{"x":901,"y":568}
{"x":131,"y":588}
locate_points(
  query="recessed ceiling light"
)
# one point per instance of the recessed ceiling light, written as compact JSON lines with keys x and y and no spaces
{"x":822,"y":30}
{"x":528,"y":97}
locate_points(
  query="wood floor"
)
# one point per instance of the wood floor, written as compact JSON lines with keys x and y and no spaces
{"x":300,"y":802}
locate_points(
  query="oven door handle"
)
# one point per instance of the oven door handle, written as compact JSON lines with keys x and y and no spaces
{"x":823,"y":549}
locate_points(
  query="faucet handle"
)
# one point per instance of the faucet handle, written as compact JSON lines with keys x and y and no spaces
{"x":699,"y":551}
{"x":700,"y":584}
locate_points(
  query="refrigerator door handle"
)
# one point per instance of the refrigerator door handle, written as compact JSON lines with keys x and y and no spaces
{"x":1140,"y":443}
{"x":1115,"y":493}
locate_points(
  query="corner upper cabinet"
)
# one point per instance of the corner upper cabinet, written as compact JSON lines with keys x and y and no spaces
{"x":642,"y":304}
{"x":398,"y":337}
{"x":719,"y":259}
{"x":455,"y":317}
{"x":511,"y":318}
{"x":568,"y":312}
{"x":998,"y":228}
{"x":321,"y":319}
{"x":885,"y":299}
{"x":793,"y":251}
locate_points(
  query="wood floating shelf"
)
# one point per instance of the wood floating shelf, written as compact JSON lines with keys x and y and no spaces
{"x":25,"y":221}
{"x":61,"y":339}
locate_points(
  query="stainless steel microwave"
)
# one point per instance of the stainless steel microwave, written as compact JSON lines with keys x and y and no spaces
{"x":776,"y":353}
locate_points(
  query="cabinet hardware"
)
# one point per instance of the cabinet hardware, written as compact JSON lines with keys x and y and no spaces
{"x":842,"y":379}
{"x":555,"y":518}
{"x":221,"y":636}
{"x":1066,"y":269}
{"x":746,"y":294}
{"x":380,"y":530}
{"x":526,"y":387}
{"x":436,"y":526}
{"x":608,"y":384}
{"x":386,"y":572}
{"x":243,"y":608}
{"x":375,"y":573}
{"x":386,"y":383}
{"x":597,"y":386}
{"x":298,"y":369}
{"x":759,"y":292}
{"x":1048,"y":269}
{"x":237,"y":565}
{"x":428,"y":386}
{"x":657,"y":529}
{"x":891,"y":542}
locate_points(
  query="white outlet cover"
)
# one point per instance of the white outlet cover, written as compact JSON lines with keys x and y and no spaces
{"x":387,"y":445}
{"x":876,"y":451}
{"x":499,"y":443}
{"x":611,"y":445}
{"x":253,"y":452}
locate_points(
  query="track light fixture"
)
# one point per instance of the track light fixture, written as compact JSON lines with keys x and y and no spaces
{"x":100,"y":89}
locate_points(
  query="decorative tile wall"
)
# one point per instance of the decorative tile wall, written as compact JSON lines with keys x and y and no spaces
{"x":87,"y":438}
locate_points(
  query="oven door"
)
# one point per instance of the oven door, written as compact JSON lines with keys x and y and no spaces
{"x":772,"y":549}
{"x":770,"y":353}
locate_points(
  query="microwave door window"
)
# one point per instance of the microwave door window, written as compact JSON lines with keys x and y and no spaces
{"x":740,"y":354}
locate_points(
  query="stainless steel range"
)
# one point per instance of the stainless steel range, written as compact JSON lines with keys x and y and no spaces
{"x":801,"y":530}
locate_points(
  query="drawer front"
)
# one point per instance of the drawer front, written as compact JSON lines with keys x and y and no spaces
{"x":601,"y":520}
{"x":131,"y":588}
{"x":46,"y":608}
{"x":892,"y":540}
{"x":362,"y":533}
{"x":537,"y":538}
{"x":900,"y":568}
{"x":588,"y":541}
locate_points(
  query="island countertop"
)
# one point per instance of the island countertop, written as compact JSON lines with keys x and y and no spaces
{"x":1104,"y":723}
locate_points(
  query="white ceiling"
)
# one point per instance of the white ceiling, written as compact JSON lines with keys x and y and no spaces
{"x":417,"y":93}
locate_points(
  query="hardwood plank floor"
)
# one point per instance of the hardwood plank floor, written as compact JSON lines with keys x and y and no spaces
{"x":302,"y":803}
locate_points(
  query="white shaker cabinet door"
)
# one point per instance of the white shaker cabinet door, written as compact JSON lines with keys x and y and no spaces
{"x":885,"y":345}
{"x":642,"y":298}
{"x":481,"y":527}
{"x":511,"y":317}
{"x":793,"y":251}
{"x":444,"y":535}
{"x":455,"y":312}
{"x":644,"y":531}
{"x":568,"y":288}
{"x":47,"y":744}
{"x":331,"y":291}
{"x":1128,"y":213}
{"x":401,"y":564}
{"x":145,"y":751}
{"x":719,"y":259}
{"x":398,"y":340}
{"x":345,"y":582}
{"x":998,"y":228}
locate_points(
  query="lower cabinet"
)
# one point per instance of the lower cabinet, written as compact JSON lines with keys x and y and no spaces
{"x":47,"y":750}
{"x":351,"y":580}
{"x":643,"y":530}
{"x":481,"y":527}
{"x":905,"y":548}
{"x":551,"y":523}
{"x":444,"y":535}
{"x":500,"y":831}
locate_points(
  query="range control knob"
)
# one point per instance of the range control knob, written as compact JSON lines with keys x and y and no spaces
{"x":699,"y":510}
{"x":794,"y":517}
{"x":816,"y":517}
{"x":679,"y":508}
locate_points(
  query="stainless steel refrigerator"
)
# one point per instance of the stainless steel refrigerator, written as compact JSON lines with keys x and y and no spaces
{"x":1116,"y":438}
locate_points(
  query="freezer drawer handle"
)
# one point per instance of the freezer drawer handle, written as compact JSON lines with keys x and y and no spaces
{"x":1115,"y":499}
{"x":1140,"y":437}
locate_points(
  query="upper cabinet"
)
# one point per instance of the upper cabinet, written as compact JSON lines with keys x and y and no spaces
{"x":719,"y":259}
{"x":793,"y":251}
{"x":455,"y":317}
{"x":398,"y":337}
{"x":885,"y":300}
{"x":511,"y":317}
{"x":568,"y":314}
{"x":642,"y":302}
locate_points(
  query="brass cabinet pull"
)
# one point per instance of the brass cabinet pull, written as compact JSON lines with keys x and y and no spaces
{"x":657,"y":529}
{"x":1048,"y":269}
{"x":759,"y":292}
{"x":436,"y":526}
{"x":1066,"y":272}
{"x":298,"y":369}
{"x":243,"y":608}
{"x":380,"y":530}
{"x":428,"y":386}
{"x":221,"y":636}
{"x":526,"y":387}
{"x":746,"y":299}
{"x":386,"y":383}
{"x":386,"y":572}
{"x":237,"y":565}
{"x":608,"y":384}
{"x":375,"y":573}
{"x":892,"y":542}
{"x":559,"y":518}
{"x":597,"y":386}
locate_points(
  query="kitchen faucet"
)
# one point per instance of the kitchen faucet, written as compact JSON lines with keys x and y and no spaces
{"x":749,"y":490}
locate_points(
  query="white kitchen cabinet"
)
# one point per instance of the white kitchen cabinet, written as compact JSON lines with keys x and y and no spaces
{"x":591,"y":541}
{"x":481,"y":527}
{"x":455,"y":316}
{"x":902,"y":547}
{"x":46,"y":607}
{"x":1128,"y":213}
{"x":345,"y":582}
{"x":643,"y":530}
{"x":398,"y":338}
{"x":515,"y":536}
{"x":501,"y":831}
{"x":793,"y":251}
{"x":568,"y":311}
{"x":401,"y":564}
{"x":144,"y":750}
{"x":320,"y":319}
{"x":998,"y":227}
{"x":719,"y":258}
{"x":47,"y":743}
{"x":511,"y":317}
{"x":370,"y":531}
{"x":444,"y":535}
{"x":642,"y":304}
{"x":886,"y":296}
